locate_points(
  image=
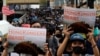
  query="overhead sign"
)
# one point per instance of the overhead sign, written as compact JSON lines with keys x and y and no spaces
{"x":34,"y":35}
{"x":72,"y":15}
{"x":23,"y":1}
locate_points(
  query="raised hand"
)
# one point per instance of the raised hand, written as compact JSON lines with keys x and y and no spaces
{"x":90,"y":36}
{"x":67,"y":31}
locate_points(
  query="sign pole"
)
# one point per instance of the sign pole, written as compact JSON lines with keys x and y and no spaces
{"x":4,"y":4}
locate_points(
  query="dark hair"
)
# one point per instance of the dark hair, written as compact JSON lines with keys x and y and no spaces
{"x":50,"y":29}
{"x":33,"y":22}
{"x":80,"y":27}
{"x":40,"y":51}
{"x":27,"y":48}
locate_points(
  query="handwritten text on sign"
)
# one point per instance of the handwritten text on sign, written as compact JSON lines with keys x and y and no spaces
{"x":17,"y":34}
{"x":72,"y":15}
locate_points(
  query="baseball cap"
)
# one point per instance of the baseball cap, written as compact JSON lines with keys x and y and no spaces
{"x":77,"y":37}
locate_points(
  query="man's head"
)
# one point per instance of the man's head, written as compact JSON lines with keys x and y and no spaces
{"x":36,"y":24}
{"x":26,"y":48}
{"x":80,"y":27}
{"x":77,"y":43}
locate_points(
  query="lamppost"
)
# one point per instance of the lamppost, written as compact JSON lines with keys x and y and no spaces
{"x":4,"y":4}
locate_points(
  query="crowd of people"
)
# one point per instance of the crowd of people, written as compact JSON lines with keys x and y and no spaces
{"x":43,"y":15}
{"x":76,"y":39}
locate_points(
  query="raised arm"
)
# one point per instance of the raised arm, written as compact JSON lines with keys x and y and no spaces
{"x":47,"y":51}
{"x":93,"y":43}
{"x":63,"y":44}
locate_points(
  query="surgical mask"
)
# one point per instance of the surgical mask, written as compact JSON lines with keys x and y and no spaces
{"x":77,"y":50}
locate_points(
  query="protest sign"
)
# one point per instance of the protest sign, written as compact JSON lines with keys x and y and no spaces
{"x":19,"y":34}
{"x":4,"y":27}
{"x":72,"y":15}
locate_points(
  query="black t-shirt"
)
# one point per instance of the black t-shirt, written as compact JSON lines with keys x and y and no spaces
{"x":1,"y":48}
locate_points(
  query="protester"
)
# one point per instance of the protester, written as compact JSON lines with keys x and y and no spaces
{"x":52,"y":40}
{"x":26,"y":48}
{"x":77,"y":40}
{"x":36,"y":24}
{"x":50,"y":35}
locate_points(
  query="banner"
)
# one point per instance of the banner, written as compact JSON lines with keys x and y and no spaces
{"x":72,"y":15}
{"x":19,"y":34}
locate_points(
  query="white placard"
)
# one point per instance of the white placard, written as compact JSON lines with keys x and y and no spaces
{"x":35,"y":35}
{"x":4,"y":26}
{"x":72,"y":15}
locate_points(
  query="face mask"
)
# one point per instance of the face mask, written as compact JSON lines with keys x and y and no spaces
{"x":77,"y":50}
